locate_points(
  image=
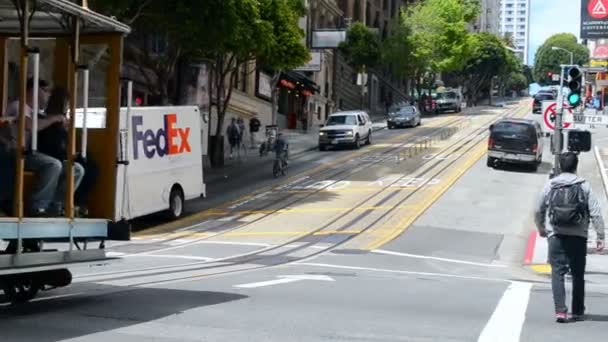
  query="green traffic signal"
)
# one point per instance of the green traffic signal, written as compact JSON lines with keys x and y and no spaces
{"x":574,"y":99}
{"x":575,"y":84}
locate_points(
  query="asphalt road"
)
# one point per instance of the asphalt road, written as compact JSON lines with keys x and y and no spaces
{"x":410,"y":239}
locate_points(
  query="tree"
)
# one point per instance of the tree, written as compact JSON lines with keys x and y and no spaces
{"x":236,"y":32}
{"x":487,"y":57}
{"x":549,"y":60}
{"x":361,"y":47}
{"x":527,"y":71}
{"x":438,"y":36}
{"x":517,"y":82}
{"x":397,"y":50}
{"x":171,"y":24}
{"x":225,"y":34}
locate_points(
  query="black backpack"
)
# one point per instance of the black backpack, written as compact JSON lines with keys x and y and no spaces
{"x":568,"y":206}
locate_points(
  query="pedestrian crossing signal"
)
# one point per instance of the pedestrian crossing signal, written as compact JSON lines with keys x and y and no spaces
{"x":575,"y":84}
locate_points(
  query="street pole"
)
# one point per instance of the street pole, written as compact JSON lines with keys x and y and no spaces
{"x":557,"y":135}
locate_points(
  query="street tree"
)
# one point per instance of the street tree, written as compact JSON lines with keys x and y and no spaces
{"x":361,"y":47}
{"x":517,"y":82}
{"x":487,"y":57}
{"x":548,"y":60}
{"x":438,"y":36}
{"x":238,"y":32}
{"x":225,"y":34}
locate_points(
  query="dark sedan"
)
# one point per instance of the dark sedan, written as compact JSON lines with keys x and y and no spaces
{"x":406,"y":116}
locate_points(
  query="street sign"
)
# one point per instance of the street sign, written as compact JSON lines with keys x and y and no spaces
{"x":549,"y":116}
{"x":555,"y":78}
{"x":590,"y":119}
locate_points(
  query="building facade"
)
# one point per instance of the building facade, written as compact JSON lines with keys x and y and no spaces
{"x":515,"y":22}
{"x":489,"y":17}
{"x":381,"y":89}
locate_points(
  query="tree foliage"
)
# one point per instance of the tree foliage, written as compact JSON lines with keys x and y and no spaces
{"x":226,"y":34}
{"x":361,"y":47}
{"x":487,"y":57}
{"x":517,"y":82}
{"x":548,"y":60}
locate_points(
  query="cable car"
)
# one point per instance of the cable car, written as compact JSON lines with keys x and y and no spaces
{"x":84,"y":50}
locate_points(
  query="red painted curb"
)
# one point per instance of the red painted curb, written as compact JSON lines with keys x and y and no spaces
{"x":530,"y":248}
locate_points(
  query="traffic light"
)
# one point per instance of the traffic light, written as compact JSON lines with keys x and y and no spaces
{"x":575,"y":83}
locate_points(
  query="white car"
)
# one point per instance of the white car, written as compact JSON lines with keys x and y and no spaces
{"x":346,"y":128}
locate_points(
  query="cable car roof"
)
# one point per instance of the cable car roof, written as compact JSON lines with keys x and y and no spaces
{"x":51,"y":18}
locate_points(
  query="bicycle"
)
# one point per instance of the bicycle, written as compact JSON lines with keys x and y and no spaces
{"x":280,"y":164}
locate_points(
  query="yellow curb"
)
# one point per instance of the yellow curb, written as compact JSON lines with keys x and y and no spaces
{"x":541,"y":268}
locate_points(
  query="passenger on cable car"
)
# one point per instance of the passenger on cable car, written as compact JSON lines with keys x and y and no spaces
{"x":49,"y":190}
{"x":53,"y":141}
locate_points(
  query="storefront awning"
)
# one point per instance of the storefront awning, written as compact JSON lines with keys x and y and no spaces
{"x":293,"y":80}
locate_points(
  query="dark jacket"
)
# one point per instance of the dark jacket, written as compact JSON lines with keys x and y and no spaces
{"x":53,"y":141}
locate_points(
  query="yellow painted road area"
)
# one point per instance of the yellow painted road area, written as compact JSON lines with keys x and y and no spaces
{"x":223,"y":209}
{"x":398,"y":223}
{"x":376,"y":212}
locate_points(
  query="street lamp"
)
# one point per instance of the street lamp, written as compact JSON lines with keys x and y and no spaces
{"x":555,"y":48}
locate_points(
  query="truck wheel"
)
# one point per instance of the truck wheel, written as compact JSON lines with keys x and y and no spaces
{"x":176,"y":203}
{"x":357,"y":143}
{"x":369,"y":138}
{"x":322,"y":147}
{"x":20,"y":289}
{"x":491,"y":162}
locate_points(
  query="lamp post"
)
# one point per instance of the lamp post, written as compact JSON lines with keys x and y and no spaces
{"x":555,"y":48}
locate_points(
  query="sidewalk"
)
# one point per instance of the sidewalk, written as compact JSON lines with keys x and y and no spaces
{"x":299,"y":143}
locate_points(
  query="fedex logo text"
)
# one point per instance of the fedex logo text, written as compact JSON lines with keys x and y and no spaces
{"x":151,"y":141}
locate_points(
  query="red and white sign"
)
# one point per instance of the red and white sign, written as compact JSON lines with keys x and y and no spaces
{"x":598,"y":9}
{"x":601,"y":51}
{"x":549,"y":116}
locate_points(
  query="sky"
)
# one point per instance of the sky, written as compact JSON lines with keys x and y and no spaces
{"x":548,"y":17}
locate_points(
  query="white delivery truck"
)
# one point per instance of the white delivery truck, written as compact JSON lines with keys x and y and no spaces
{"x":159,"y":159}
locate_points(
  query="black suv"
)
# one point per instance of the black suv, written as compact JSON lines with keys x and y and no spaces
{"x":517,"y":141}
{"x":537,"y":107}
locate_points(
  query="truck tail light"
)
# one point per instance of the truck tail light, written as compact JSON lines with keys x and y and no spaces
{"x":490,"y":143}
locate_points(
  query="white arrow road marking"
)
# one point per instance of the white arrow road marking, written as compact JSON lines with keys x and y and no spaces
{"x":284,"y":280}
{"x":508,"y":318}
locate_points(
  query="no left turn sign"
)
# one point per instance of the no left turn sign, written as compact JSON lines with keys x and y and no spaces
{"x":550,"y":114}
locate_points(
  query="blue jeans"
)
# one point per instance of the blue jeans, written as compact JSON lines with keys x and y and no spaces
{"x":51,"y":183}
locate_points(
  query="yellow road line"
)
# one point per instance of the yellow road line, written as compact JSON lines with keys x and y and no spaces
{"x":479,"y":150}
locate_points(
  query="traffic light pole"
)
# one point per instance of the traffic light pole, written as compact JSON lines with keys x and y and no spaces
{"x":557,"y":135}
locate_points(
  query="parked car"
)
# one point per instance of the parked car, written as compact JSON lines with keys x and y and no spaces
{"x":403,"y":116}
{"x":537,"y":106}
{"x":346,"y":128}
{"x":448,"y":101}
{"x":517,"y":141}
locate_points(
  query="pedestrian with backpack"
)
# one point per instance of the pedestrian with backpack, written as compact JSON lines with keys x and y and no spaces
{"x":566,"y":207}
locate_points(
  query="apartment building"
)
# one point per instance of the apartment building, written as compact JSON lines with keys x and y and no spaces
{"x":515,"y":21}
{"x":489,"y":17}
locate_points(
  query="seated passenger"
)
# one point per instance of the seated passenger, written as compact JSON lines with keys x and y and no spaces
{"x":53,"y":141}
{"x":48,"y":195}
{"x":7,"y":164}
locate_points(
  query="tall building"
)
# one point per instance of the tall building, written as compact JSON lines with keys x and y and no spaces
{"x":489,"y":19}
{"x":515,"y":21}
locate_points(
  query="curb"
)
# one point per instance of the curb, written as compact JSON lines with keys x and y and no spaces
{"x":602,"y":167}
{"x":537,"y":264}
